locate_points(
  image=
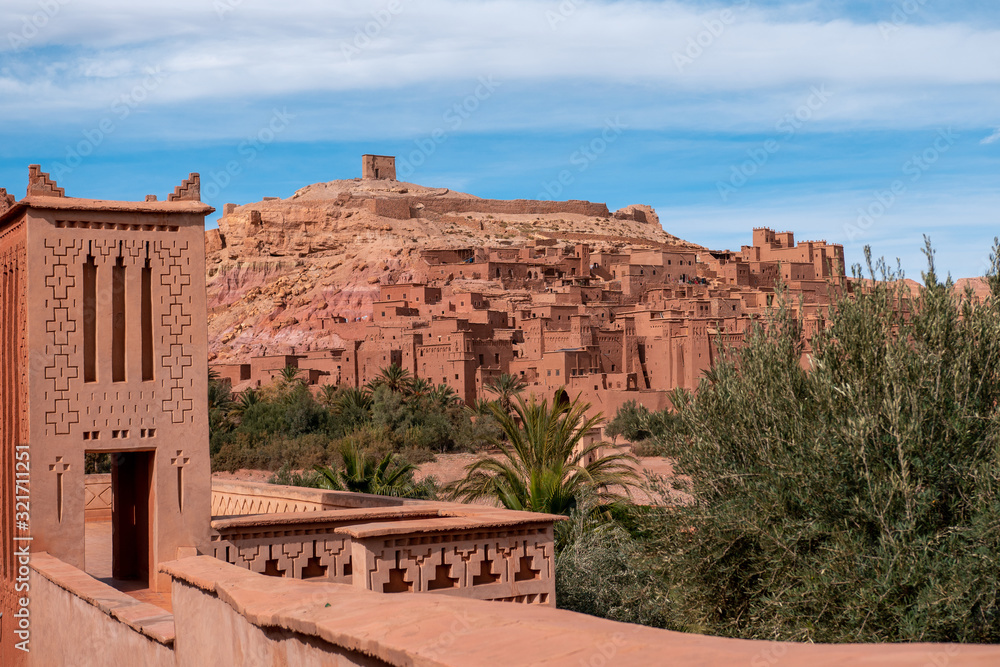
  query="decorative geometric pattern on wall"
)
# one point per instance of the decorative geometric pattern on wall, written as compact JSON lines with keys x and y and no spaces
{"x":513,"y":566}
{"x":97,"y":496}
{"x":176,"y":309}
{"x":282,"y":554}
{"x":61,"y":259}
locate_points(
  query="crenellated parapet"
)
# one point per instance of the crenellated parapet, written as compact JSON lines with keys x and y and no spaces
{"x":189,"y":190}
{"x":41,"y":185}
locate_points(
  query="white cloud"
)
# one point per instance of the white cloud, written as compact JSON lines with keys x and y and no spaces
{"x":766,"y":58}
{"x":993,"y":138}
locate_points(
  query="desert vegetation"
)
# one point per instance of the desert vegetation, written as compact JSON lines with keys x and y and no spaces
{"x":285,"y":425}
{"x":543,"y":465}
{"x":857,"y":500}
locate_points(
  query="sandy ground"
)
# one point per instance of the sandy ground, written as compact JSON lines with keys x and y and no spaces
{"x":447,"y":468}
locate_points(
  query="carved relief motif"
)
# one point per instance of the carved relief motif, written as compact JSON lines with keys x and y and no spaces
{"x":289,"y":555}
{"x":512,"y":566}
{"x":175,"y":311}
{"x":97,"y":494}
{"x":60,"y":281}
{"x":225,"y":504}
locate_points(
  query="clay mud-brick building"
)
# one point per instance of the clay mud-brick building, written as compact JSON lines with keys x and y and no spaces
{"x":104,"y":351}
{"x":551,"y":307}
{"x":378,"y":167}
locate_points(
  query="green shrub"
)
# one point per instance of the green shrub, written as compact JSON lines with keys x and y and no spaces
{"x":306,"y":478}
{"x":240,"y":450}
{"x":601,"y":570}
{"x":859,"y":501}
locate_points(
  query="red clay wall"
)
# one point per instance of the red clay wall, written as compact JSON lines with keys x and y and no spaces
{"x":13,"y":429}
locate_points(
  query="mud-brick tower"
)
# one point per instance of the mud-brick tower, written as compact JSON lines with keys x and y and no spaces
{"x":103,"y":348}
{"x":378,"y":167}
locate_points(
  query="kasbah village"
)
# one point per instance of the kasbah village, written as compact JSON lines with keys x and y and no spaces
{"x":115,"y":314}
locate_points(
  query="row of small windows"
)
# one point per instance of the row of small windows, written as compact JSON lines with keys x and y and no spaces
{"x":120,"y":434}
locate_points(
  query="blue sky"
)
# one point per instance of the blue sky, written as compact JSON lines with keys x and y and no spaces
{"x":856,"y":122}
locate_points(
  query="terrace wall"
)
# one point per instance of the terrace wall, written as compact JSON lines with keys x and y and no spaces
{"x":78,"y":620}
{"x":387,"y":545}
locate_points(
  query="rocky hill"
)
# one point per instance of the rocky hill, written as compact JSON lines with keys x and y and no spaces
{"x":277,"y":267}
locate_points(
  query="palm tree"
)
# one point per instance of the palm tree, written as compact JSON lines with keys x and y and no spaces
{"x":420,"y":387}
{"x":396,"y":378}
{"x":248,"y":399}
{"x":360,"y":474}
{"x":543,"y":463}
{"x":328,"y":395}
{"x":506,"y":387}
{"x":290,"y":375}
{"x":353,"y":405}
{"x":220,"y":401}
{"x":220,"y":395}
{"x":480,"y":407}
{"x":445,"y":396}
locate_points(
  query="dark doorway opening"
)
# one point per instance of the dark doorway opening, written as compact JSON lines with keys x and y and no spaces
{"x":132,"y":488}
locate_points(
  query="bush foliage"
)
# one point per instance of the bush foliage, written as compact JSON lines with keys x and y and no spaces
{"x":284,"y":424}
{"x":856,"y":501}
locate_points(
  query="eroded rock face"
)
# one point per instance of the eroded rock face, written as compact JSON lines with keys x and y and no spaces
{"x":639,"y":213}
{"x":7,"y":201}
{"x":278,"y":268}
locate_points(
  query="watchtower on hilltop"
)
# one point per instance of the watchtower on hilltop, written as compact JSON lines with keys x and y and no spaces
{"x":378,"y":167}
